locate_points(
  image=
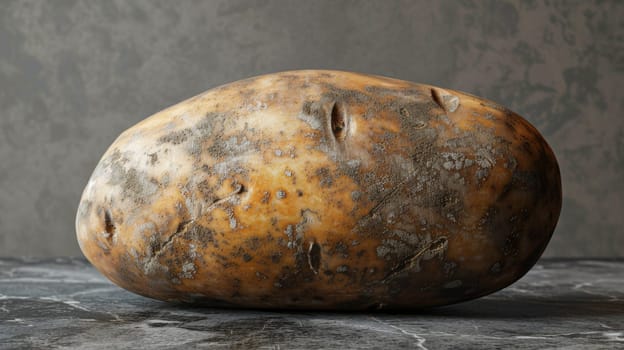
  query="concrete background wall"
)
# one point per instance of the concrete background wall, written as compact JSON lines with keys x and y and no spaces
{"x":74,"y":74}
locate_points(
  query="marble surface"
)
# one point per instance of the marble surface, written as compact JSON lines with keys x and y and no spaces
{"x":75,"y":74}
{"x":66,"y":304}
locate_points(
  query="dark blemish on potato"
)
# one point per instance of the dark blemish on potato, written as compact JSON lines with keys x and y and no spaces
{"x":342,"y":249}
{"x":489,"y":116}
{"x":447,"y":199}
{"x":510,"y":124}
{"x":153,"y":158}
{"x":419,"y":124}
{"x":312,"y":114}
{"x":247,"y":93}
{"x":351,"y":168}
{"x":253,"y":243}
{"x":176,"y":137}
{"x":276,"y":257}
{"x":155,"y":181}
{"x":299,"y":193}
{"x":449,"y":268}
{"x":379,"y":149}
{"x":116,"y":156}
{"x":314,"y":257}
{"x":334,"y":93}
{"x":289,"y":231}
{"x":307,"y":107}
{"x":510,"y":247}
{"x":153,"y":246}
{"x":290,"y":277}
{"x":200,"y":235}
{"x":247,"y":257}
{"x":216,"y":149}
{"x":339,"y":121}
{"x":206,"y":190}
{"x":511,"y":163}
{"x":404,"y":112}
{"x":481,"y":175}
{"x":526,"y":147}
{"x":325,"y":176}
{"x":488,"y":218}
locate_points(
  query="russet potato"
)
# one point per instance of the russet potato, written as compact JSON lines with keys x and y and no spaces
{"x":322,"y":190}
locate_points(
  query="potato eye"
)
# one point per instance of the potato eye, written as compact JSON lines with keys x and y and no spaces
{"x":338,"y":121}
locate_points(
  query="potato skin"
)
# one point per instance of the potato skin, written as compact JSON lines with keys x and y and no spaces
{"x":322,"y":190}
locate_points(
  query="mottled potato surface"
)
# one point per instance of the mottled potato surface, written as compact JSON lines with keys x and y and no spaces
{"x":322,"y":190}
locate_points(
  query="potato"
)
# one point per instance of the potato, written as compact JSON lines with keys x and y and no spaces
{"x":322,"y":190}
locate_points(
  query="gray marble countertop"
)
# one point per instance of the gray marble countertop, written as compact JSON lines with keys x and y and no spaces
{"x":65,"y":303}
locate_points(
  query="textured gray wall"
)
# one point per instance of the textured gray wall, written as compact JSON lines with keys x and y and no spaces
{"x":74,"y":74}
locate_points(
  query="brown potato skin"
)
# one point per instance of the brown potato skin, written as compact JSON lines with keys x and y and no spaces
{"x":322,"y":190}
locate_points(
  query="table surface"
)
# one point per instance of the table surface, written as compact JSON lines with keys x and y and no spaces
{"x":65,"y":303}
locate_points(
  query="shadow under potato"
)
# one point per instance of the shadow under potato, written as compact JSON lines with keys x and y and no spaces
{"x":248,"y":328}
{"x":517,"y":306}
{"x":559,"y":305}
